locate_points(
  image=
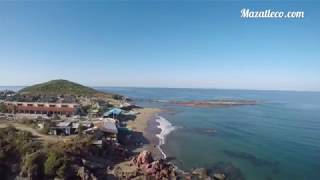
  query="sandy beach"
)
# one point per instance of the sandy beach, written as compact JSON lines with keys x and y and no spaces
{"x":145,"y":124}
{"x":141,"y":122}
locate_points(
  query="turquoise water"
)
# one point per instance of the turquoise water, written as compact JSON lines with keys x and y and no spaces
{"x":277,"y":139}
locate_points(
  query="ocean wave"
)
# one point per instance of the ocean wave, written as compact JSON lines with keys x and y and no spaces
{"x":166,"y":128}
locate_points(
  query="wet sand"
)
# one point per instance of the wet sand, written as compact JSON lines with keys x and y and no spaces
{"x":146,"y":124}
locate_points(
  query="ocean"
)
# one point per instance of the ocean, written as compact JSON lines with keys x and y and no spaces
{"x":277,"y":139}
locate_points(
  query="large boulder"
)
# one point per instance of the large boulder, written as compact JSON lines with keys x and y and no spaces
{"x":159,"y":169}
{"x":143,"y":159}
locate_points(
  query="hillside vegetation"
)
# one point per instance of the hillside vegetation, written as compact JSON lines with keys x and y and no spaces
{"x":55,"y":87}
{"x":63,"y":87}
{"x":23,"y":157}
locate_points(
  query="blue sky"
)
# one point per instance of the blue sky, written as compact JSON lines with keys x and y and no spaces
{"x":197,"y":44}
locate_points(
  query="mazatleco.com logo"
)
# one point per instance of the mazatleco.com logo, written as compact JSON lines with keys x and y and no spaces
{"x":247,"y":13}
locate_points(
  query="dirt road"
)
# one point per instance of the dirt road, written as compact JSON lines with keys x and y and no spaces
{"x":39,"y":136}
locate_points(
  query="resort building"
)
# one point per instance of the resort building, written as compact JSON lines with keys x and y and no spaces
{"x":67,"y":109}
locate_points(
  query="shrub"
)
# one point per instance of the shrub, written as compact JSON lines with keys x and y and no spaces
{"x":14,"y":145}
{"x":33,"y":165}
{"x":57,"y":163}
{"x":52,"y":163}
{"x":63,"y":170}
{"x":3,"y":108}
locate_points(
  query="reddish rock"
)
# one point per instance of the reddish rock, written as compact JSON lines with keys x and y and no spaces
{"x":158,"y":169}
{"x":144,"y":158}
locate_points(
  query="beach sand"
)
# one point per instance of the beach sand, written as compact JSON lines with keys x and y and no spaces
{"x":145,"y":123}
{"x":141,"y":122}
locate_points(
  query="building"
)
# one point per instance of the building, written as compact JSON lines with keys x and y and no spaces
{"x":114,"y":112}
{"x":108,"y":129}
{"x":67,"y":109}
{"x":69,"y":127}
{"x":108,"y":125}
{"x":62,"y":128}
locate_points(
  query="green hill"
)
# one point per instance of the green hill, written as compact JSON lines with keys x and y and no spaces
{"x":61,"y":87}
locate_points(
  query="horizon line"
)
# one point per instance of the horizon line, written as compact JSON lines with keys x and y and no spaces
{"x":199,"y":88}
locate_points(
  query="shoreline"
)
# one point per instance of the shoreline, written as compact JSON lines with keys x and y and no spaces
{"x":154,"y":129}
{"x":145,"y":123}
{"x":165,"y":129}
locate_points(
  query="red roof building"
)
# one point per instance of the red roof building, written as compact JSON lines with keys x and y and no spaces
{"x":42,"y":108}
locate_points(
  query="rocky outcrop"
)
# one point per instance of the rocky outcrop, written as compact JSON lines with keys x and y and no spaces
{"x":143,"y":159}
{"x":147,"y":168}
{"x":159,"y":169}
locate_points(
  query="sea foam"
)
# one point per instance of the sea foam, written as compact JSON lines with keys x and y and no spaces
{"x":166,"y":128}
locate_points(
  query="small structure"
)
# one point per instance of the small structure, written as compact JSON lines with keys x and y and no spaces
{"x":112,"y":113}
{"x":75,"y":125}
{"x":130,"y":113}
{"x":93,"y":113}
{"x":125,"y":105}
{"x":62,"y":128}
{"x":84,"y":124}
{"x":6,"y":94}
{"x":108,"y":125}
{"x":69,"y":127}
{"x":106,"y":129}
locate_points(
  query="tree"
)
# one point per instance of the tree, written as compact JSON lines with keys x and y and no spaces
{"x":57,"y":164}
